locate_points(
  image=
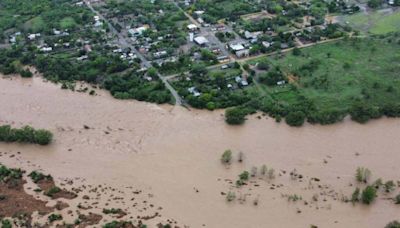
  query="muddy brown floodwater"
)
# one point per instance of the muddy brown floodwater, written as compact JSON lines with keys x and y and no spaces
{"x":173,"y":155}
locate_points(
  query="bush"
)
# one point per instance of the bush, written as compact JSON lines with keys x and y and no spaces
{"x":38,"y":176}
{"x":26,"y":73}
{"x":52,"y":191}
{"x":397,"y":199}
{"x":355,"y":197}
{"x":368,"y":195}
{"x":295,"y":119}
{"x":244,"y":176}
{"x":54,"y":217}
{"x":6,"y":223}
{"x":26,"y":134}
{"x":363,"y":174}
{"x":394,"y":224}
{"x":226,"y":157}
{"x":235,"y":116}
{"x":362,"y":112}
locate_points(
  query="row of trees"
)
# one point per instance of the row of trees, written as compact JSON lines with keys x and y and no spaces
{"x":25,"y":134}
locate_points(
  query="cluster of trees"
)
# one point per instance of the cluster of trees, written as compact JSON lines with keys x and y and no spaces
{"x":26,"y":134}
{"x":223,"y":9}
{"x":133,"y":86}
{"x":42,"y":15}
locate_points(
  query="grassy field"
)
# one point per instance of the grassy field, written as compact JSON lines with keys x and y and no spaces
{"x":343,"y":72}
{"x":379,"y":22}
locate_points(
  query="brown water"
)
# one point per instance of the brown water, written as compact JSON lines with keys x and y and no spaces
{"x":169,"y":152}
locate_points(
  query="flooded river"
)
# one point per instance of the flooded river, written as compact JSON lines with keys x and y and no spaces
{"x":174,"y":154}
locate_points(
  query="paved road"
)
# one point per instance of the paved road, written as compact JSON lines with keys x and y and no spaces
{"x":123,"y":41}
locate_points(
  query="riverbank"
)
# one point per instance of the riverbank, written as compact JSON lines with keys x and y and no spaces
{"x":173,"y":155}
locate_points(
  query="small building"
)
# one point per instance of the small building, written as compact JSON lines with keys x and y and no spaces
{"x":138,"y":31}
{"x":242,"y":53}
{"x":236,"y":47}
{"x":266,"y":44}
{"x":192,"y":27}
{"x":201,"y":40}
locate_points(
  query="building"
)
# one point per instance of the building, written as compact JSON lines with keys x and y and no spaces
{"x":201,"y":40}
{"x":242,"y":53}
{"x":138,"y":31}
{"x":192,"y":27}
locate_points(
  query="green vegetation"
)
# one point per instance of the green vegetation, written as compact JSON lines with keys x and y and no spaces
{"x":394,"y":224}
{"x":329,"y":81}
{"x":54,"y":217}
{"x":363,"y":174}
{"x":122,"y":224}
{"x":7,"y":174}
{"x":112,"y":211}
{"x":53,"y":190}
{"x":355,"y":197}
{"x":25,"y":134}
{"x":37,"y":176}
{"x":230,"y":196}
{"x":226,"y":157}
{"x":235,"y":116}
{"x":368,"y":195}
{"x":378,"y":22}
{"x":5,"y":223}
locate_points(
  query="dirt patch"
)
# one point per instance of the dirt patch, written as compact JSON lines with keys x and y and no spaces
{"x":15,"y":201}
{"x":90,"y":219}
{"x":50,"y":189}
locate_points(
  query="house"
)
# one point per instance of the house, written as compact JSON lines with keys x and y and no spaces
{"x":242,"y":53}
{"x":192,"y":27}
{"x":194,"y":91}
{"x":239,"y":50}
{"x":33,"y":36}
{"x":201,"y":40}
{"x":266,"y":44}
{"x":159,"y":54}
{"x":251,"y":35}
{"x":138,"y":31}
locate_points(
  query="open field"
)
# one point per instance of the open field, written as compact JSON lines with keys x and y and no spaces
{"x":378,"y":22}
{"x":334,"y":75}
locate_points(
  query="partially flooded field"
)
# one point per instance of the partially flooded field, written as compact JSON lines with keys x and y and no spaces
{"x":171,"y":156}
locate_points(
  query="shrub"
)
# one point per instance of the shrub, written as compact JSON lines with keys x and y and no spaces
{"x":355,"y":197}
{"x":295,"y":119}
{"x":38,"y":176}
{"x":368,"y":195}
{"x":363,"y":174}
{"x":244,"y":176}
{"x":26,"y":73}
{"x":226,"y":157}
{"x":263,"y":170}
{"x":397,"y":199}
{"x":26,"y":134}
{"x":52,"y":191}
{"x":54,"y":217}
{"x":296,"y":51}
{"x":389,"y":186}
{"x":235,"y":116}
{"x":6,"y":223}
{"x":230,"y":196}
{"x":394,"y":224}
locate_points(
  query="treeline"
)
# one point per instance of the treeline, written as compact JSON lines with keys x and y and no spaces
{"x":25,"y":134}
{"x":304,"y":110}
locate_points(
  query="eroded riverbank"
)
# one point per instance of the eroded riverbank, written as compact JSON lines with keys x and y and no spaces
{"x":173,"y":154}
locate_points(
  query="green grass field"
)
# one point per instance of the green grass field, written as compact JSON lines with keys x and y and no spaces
{"x":379,"y":22}
{"x":346,"y":71}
